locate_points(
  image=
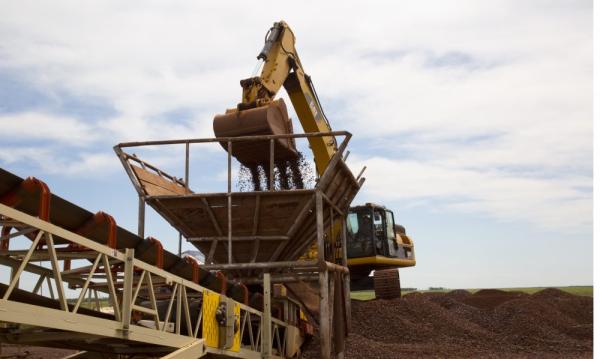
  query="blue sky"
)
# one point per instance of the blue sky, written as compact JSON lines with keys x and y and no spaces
{"x":474,"y":119}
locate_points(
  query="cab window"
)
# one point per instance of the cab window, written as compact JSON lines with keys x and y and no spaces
{"x":378,"y":224}
{"x":359,"y":226}
{"x":389,"y":220}
{"x":352,"y":224}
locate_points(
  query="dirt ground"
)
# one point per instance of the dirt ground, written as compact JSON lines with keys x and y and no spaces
{"x":23,"y":351}
{"x":487,"y":324}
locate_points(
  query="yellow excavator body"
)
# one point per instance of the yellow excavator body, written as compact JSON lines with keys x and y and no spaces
{"x":259,"y":113}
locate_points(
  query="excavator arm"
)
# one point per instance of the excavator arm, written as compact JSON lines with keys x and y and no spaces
{"x":282,"y":67}
{"x":280,"y":58}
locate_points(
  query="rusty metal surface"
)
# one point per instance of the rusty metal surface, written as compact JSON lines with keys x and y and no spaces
{"x":271,"y":119}
{"x":259,"y":227}
{"x":266,"y":226}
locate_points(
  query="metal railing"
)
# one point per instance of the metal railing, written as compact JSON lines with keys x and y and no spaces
{"x":132,"y":289}
{"x":119,"y":149}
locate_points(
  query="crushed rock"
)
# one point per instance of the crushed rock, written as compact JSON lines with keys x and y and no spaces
{"x":489,"y":323}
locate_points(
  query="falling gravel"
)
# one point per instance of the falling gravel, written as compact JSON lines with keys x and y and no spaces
{"x":294,"y":173}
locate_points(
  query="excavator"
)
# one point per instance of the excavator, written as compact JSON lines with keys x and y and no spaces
{"x":375,"y":243}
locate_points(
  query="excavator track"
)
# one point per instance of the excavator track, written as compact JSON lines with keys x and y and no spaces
{"x":387,"y":284}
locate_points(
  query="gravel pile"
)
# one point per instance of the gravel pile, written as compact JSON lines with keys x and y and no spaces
{"x":489,"y":323}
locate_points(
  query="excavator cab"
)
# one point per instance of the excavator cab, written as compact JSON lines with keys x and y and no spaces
{"x":376,"y":243}
{"x":372,"y":232}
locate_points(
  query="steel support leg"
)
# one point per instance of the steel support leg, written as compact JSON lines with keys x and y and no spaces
{"x":324,"y":327}
{"x":127,"y":289}
{"x":266,"y":319}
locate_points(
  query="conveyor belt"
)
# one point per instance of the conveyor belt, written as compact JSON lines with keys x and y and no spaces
{"x":24,"y":296}
{"x":148,"y":310}
{"x":74,"y":218}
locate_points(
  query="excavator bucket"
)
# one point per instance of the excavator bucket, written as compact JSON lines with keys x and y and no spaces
{"x":270,"y":119}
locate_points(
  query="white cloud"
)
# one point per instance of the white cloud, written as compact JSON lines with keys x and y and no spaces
{"x":137,"y":128}
{"x":32,"y":126}
{"x":90,"y":164}
{"x":548,"y":203}
{"x":31,"y":154}
{"x":493,"y":97}
{"x":51,"y":160}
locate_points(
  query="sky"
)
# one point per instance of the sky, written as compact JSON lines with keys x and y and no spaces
{"x":474,"y":118}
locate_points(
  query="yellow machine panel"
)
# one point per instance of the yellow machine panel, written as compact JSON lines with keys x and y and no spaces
{"x":237,"y":340}
{"x":381,"y":261}
{"x":211,"y":330}
{"x":210,"y":327}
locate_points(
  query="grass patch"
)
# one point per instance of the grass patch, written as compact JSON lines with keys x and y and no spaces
{"x":363,"y":295}
{"x":577,"y":290}
{"x":587,"y":291}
